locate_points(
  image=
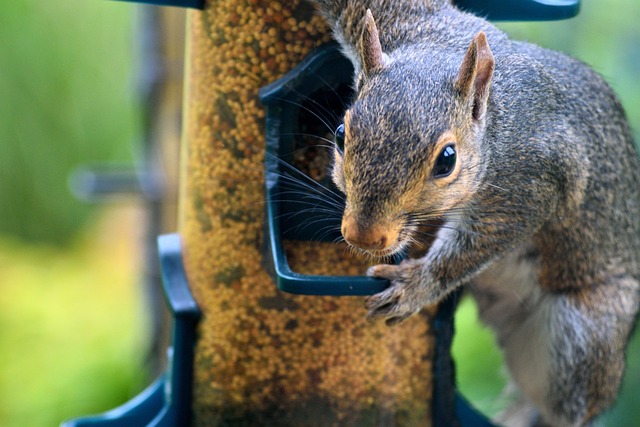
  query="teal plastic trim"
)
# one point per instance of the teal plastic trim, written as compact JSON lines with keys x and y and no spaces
{"x":448,"y":406}
{"x":495,"y":10}
{"x":323,"y":69}
{"x":193,"y":4}
{"x":139,"y":411}
{"x":521,"y":10}
{"x":166,"y":402}
{"x":468,"y":416}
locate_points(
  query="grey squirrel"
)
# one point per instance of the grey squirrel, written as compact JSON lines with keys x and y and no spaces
{"x":513,"y":168}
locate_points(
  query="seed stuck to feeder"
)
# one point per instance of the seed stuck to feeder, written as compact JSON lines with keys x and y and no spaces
{"x":265,"y":357}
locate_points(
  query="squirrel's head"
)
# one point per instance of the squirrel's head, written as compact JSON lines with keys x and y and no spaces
{"x":408,"y":152}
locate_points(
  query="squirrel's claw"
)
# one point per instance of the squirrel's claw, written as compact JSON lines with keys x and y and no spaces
{"x":398,"y":302}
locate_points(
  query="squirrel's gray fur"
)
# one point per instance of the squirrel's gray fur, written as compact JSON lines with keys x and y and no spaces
{"x":541,"y":216}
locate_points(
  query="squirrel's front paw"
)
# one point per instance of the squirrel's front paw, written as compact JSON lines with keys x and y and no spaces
{"x":405,"y":297}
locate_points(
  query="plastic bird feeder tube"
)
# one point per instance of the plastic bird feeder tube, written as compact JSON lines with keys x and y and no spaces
{"x":265,"y":357}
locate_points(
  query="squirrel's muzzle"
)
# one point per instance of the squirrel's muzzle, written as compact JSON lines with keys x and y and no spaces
{"x":371,"y":238}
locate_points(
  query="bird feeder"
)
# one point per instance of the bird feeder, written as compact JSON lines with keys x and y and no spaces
{"x":267,"y":357}
{"x":282,"y":339}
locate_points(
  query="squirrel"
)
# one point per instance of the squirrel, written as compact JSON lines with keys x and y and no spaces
{"x":517,"y":167}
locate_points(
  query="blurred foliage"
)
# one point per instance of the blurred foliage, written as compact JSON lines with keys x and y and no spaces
{"x":71,"y":328}
{"x":479,"y":372}
{"x":605,"y":35}
{"x":67,"y":100}
{"x":72,"y":332}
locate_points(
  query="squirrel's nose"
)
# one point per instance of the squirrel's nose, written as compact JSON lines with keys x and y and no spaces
{"x":367,"y":239}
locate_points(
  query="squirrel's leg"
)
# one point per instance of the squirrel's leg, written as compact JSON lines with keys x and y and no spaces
{"x":505,"y":295}
{"x":566,"y":354}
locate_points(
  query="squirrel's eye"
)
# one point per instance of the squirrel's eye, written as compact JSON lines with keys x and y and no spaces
{"x":339,"y":137}
{"x":446,"y":162}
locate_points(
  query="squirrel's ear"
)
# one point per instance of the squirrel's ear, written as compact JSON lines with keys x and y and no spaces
{"x":371,"y":50}
{"x":474,"y":76}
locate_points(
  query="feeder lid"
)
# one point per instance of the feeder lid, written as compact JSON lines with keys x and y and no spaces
{"x":521,"y":10}
{"x":494,"y":10}
{"x":194,"y":4}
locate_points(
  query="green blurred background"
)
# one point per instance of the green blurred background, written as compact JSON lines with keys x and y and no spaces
{"x":73,"y":326}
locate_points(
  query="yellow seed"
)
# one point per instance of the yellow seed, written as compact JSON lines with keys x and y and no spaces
{"x":251,"y":353}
